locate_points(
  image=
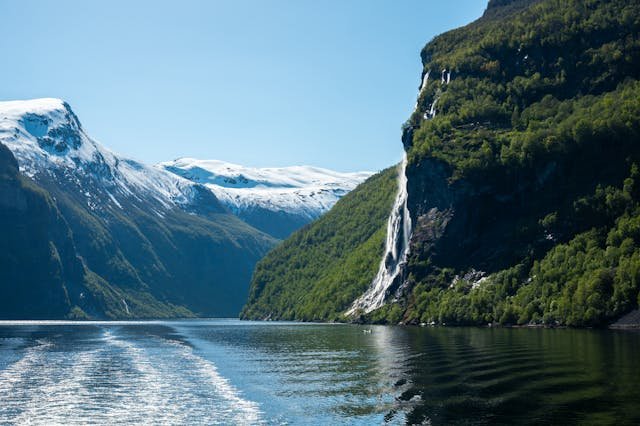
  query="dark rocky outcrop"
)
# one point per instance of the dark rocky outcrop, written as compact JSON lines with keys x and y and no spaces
{"x":38,"y":263}
{"x":629,"y":321}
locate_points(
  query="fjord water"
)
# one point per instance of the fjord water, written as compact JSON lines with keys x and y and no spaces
{"x":232,"y":372}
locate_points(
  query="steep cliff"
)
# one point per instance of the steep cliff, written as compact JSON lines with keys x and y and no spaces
{"x":522,"y":171}
{"x":38,"y":262}
{"x":534,"y":131}
{"x":151,"y":244}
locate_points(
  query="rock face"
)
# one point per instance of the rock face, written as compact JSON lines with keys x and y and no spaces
{"x":477,"y":211}
{"x":152,"y":244}
{"x":474,"y":224}
{"x":38,"y":265}
{"x":629,"y":321}
{"x":276,"y":200}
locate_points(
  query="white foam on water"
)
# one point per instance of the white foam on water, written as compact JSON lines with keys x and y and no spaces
{"x":119,"y":380}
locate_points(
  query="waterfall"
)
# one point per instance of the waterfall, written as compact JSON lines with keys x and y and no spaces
{"x":398,"y":228}
{"x":432,"y":111}
{"x":396,"y":250}
{"x":425,"y":80}
{"x":126,"y":307}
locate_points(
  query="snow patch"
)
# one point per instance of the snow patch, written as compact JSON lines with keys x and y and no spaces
{"x":304,"y":190}
{"x":47,"y":138}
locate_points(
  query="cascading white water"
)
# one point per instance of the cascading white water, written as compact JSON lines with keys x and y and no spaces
{"x":126,"y":307}
{"x":398,"y":228}
{"x":432,"y":110}
{"x":396,"y":250}
{"x":444,"y":79}
{"x":425,"y":80}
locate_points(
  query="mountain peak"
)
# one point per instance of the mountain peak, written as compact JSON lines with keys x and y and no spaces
{"x":225,"y":174}
{"x":47,"y":138}
{"x":48,"y":121}
{"x":276,"y":200}
{"x":34,"y":106}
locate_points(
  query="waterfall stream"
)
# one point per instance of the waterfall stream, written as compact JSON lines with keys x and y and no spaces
{"x":398,"y":228}
{"x":395,"y":254}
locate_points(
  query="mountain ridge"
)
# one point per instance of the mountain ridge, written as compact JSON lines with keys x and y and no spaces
{"x":276,"y":200}
{"x":152,"y":244}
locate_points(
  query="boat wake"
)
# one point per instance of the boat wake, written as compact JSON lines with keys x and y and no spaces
{"x":113,"y":379}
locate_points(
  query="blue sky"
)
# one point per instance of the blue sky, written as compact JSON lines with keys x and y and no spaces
{"x":256,"y":82}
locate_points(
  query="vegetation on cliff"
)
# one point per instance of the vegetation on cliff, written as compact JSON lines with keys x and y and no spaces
{"x":522,"y":186}
{"x":322,"y":268}
{"x":587,"y":281}
{"x":537,"y":131}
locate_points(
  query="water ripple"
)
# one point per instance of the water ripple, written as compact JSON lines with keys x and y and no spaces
{"x":111,"y":380}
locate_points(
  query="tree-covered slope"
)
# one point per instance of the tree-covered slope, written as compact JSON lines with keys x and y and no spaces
{"x":523,"y":156}
{"x":528,"y":168}
{"x":322,"y":268}
{"x":58,"y":259}
{"x":200,"y":262}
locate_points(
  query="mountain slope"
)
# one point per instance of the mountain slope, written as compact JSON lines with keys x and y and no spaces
{"x":159,"y":240}
{"x":38,"y":259}
{"x":320,"y":269}
{"x":528,"y":168}
{"x":277,"y":201}
{"x":523,"y":170}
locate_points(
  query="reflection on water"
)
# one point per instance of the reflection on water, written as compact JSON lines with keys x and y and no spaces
{"x":231,"y":372}
{"x":488,"y":376}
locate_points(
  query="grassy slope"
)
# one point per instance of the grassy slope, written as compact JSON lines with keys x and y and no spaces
{"x":322,"y":268}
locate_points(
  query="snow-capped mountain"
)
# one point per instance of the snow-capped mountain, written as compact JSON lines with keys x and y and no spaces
{"x":125,"y":239}
{"x":277,"y":200}
{"x":148,"y":243}
{"x":48,"y":140}
{"x":50,"y":144}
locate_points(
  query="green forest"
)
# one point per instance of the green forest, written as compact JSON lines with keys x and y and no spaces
{"x":323,"y":267}
{"x":544,"y":91}
{"x":530,"y":166}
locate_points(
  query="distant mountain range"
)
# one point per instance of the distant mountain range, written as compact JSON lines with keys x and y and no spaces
{"x":89,"y":233}
{"x":275,"y":200}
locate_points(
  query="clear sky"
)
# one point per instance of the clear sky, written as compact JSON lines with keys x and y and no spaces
{"x":256,"y":82}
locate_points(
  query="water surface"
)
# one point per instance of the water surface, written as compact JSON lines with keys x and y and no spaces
{"x":232,"y":372}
